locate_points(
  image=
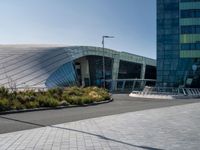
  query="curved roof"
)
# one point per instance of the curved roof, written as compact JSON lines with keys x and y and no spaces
{"x":33,"y":64}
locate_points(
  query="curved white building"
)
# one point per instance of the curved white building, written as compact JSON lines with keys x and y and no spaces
{"x":50,"y":66}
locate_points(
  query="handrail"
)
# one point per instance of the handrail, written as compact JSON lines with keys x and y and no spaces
{"x":168,"y":91}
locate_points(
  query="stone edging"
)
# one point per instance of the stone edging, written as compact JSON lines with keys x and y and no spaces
{"x":53,"y":108}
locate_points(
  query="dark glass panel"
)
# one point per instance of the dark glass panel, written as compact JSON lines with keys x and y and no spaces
{"x":96,"y":69}
{"x":150,"y":72}
{"x":129,"y":70}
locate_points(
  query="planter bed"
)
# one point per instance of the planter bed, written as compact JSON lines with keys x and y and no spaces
{"x":51,"y":99}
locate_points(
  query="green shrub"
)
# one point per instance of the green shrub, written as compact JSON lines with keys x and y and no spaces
{"x":16,"y":105}
{"x":63,"y":103}
{"x":45,"y":101}
{"x":12,"y":96}
{"x":65,"y":95}
{"x":105,"y":95}
{"x":87,"y":100}
{"x":79,"y":96}
{"x":4,"y":104}
{"x":40,"y":92}
{"x":74,"y":91}
{"x":79,"y":100}
{"x":95,"y":96}
{"x":42,"y":100}
{"x":4,"y":92}
{"x":52,"y":102}
{"x":20,"y":98}
{"x":32,"y":98}
{"x":99,"y":95}
{"x":75,"y":100}
{"x":30,"y":93}
{"x":32,"y":104}
{"x":55,"y":93}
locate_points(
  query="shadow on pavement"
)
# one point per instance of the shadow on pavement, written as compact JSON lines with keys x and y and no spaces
{"x":74,"y":130}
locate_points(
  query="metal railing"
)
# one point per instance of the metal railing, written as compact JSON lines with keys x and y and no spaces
{"x":128,"y":85}
{"x":168,"y":91}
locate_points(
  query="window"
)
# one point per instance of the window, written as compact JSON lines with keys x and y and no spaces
{"x":191,"y":13}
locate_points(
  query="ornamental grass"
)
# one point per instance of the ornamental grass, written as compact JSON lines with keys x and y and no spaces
{"x":51,"y":98}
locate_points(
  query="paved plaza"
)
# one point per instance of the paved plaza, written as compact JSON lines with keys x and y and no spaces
{"x":175,"y":127}
{"x":122,"y":103}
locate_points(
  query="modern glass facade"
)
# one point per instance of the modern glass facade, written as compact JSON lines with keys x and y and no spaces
{"x":129,"y":70}
{"x":52,"y":66}
{"x":178,"y":38}
{"x":65,"y":76}
{"x":96,"y":69}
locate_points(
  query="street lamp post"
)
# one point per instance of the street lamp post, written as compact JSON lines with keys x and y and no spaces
{"x":103,"y":68}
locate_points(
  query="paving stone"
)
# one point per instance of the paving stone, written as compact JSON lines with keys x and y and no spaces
{"x":172,"y":128}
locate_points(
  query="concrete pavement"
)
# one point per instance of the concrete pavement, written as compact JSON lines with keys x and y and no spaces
{"x":122,"y":103}
{"x":171,"y":128}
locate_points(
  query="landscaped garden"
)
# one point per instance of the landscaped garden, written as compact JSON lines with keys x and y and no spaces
{"x":29,"y":99}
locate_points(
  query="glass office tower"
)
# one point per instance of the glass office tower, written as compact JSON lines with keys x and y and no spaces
{"x":178,"y":43}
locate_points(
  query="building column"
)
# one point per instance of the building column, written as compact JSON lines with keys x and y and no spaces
{"x":142,"y":75}
{"x":84,"y":70}
{"x":123,"y":85}
{"x":143,"y":69}
{"x":133,"y":87}
{"x":115,"y":70}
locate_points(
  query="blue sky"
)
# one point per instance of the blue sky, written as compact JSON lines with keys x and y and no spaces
{"x":81,"y":22}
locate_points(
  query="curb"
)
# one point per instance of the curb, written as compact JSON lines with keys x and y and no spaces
{"x":54,"y":108}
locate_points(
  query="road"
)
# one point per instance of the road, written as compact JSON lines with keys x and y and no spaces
{"x":121,"y":104}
